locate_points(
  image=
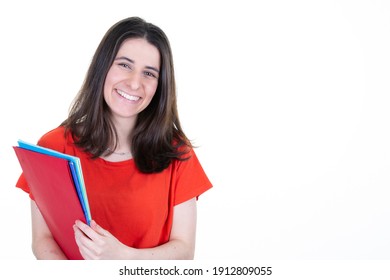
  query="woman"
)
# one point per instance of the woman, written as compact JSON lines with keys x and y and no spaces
{"x":141,"y":174}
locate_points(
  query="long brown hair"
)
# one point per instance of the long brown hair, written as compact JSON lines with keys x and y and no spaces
{"x":157,"y":137}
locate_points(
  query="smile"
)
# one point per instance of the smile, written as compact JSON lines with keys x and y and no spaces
{"x":128,"y":96}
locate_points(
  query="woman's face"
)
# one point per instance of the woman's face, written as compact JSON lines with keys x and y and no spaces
{"x":132,"y":79}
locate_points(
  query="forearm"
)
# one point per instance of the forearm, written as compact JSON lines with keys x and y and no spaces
{"x":44,"y":246}
{"x":96,"y":242}
{"x":181,"y":245}
{"x":47,"y":249}
{"x":172,"y":250}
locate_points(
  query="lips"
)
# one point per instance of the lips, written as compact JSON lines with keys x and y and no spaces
{"x":128,"y":96}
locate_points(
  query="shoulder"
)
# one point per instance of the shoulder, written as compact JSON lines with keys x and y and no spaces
{"x":187,"y":159}
{"x":189,"y":178}
{"x":55,"y":139}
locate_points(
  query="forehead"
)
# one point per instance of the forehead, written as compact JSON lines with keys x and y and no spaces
{"x":140,"y":51}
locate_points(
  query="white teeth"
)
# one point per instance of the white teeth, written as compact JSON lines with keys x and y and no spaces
{"x":127,"y":96}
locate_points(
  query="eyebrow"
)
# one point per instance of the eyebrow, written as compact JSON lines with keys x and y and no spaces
{"x":132,"y":61}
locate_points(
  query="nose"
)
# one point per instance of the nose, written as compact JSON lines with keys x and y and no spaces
{"x":134,"y":81}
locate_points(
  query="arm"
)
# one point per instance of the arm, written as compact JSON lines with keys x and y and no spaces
{"x":43,"y":244}
{"x":97,"y":243}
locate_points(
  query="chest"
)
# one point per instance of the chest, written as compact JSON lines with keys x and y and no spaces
{"x":124,"y":194}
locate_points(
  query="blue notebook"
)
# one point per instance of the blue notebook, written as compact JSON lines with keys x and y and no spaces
{"x":75,"y":167}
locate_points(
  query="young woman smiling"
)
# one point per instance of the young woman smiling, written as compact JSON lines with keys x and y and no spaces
{"x":141,"y":174}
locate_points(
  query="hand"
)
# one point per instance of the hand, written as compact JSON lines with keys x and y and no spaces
{"x":97,"y":243}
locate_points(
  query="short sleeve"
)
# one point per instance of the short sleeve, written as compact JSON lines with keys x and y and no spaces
{"x":190,"y":179}
{"x":54,"y":139}
{"x":23,"y":185}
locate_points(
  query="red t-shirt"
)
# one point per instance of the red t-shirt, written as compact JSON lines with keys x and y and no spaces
{"x":136,"y":208}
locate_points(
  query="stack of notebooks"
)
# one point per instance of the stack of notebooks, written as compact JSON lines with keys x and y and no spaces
{"x":57,"y":185}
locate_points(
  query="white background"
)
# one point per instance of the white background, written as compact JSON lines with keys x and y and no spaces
{"x":288,"y":102}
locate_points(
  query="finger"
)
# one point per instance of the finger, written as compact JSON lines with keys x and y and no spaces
{"x":87,"y":247}
{"x":81,"y":238}
{"x":87,"y":230}
{"x":99,"y":229}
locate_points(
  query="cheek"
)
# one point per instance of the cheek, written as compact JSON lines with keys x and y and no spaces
{"x":106,"y":91}
{"x":107,"y":82}
{"x":112,"y":78}
{"x":150,"y":90}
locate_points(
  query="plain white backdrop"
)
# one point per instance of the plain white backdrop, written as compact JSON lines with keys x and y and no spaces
{"x":288,"y":102}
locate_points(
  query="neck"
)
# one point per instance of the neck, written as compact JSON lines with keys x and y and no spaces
{"x":124,"y":129}
{"x":116,"y":158}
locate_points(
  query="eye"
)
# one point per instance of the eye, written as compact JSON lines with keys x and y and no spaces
{"x":150,"y":74}
{"x":124,"y":65}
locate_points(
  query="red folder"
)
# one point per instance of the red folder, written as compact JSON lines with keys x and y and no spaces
{"x":51,"y":183}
